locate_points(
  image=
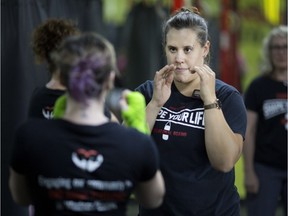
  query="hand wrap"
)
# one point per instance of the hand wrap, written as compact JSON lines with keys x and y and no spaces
{"x":59,"y":107}
{"x":135,"y":115}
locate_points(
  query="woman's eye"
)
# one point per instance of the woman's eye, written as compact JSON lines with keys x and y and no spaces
{"x":172,"y":50}
{"x":187,"y":50}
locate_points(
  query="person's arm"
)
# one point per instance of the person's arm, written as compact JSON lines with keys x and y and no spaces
{"x":152,"y":110}
{"x":223,"y":146}
{"x":19,"y":188}
{"x":150,"y":193}
{"x":161,"y":92}
{"x":250,"y":177}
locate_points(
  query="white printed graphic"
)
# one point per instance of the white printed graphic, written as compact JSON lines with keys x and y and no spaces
{"x":87,"y":160}
{"x":188,"y":117}
{"x":47,"y":112}
{"x":90,"y":206}
{"x":274,"y":107}
{"x":167,"y":128}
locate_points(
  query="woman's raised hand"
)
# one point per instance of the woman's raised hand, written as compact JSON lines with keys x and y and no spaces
{"x":207,"y":83}
{"x":162,"y":85}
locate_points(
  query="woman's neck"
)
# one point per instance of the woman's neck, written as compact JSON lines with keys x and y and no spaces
{"x":54,"y":83}
{"x":187,"y":89}
{"x":280,"y":75}
{"x":90,"y":114}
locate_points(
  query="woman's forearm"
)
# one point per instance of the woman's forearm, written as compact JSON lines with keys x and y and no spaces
{"x":152,"y":110}
{"x":224,"y":147}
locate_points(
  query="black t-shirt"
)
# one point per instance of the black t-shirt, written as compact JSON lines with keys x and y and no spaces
{"x":193,"y":186}
{"x":268,"y":98}
{"x":82,"y":170}
{"x":43,"y":100}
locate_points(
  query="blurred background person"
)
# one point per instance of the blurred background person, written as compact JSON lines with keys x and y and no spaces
{"x":265,"y":148}
{"x":82,"y":163}
{"x":46,"y":39}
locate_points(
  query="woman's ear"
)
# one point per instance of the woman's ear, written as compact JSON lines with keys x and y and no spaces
{"x":206,"y":49}
{"x":111,"y":80}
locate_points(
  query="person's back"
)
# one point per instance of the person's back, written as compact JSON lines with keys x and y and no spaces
{"x":83,"y":169}
{"x":81,"y":163}
{"x":42,"y":102}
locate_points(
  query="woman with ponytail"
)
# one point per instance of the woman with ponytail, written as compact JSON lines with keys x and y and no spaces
{"x":198,"y":123}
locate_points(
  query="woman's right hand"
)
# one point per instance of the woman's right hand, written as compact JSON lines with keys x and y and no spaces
{"x":162,"y":85}
{"x":251,"y":182}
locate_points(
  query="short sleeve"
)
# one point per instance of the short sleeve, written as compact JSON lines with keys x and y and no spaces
{"x":234,"y":110}
{"x":146,"y":89}
{"x":250,"y":97}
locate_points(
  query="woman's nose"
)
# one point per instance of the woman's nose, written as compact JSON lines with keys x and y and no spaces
{"x":179,"y":57}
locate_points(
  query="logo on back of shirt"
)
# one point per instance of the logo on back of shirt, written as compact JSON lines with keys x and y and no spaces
{"x":47,"y":112}
{"x":87,"y":160}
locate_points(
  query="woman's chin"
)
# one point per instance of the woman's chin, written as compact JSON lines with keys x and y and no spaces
{"x":185,"y":78}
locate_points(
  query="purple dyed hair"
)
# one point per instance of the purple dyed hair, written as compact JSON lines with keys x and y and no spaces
{"x":81,"y":82}
{"x":85,"y":62}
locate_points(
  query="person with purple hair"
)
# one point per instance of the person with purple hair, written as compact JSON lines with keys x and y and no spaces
{"x":46,"y":39}
{"x":81,"y":163}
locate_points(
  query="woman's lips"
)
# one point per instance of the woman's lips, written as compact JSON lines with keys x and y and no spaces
{"x":181,"y":70}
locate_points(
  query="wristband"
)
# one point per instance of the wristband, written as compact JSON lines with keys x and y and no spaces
{"x":217,"y":104}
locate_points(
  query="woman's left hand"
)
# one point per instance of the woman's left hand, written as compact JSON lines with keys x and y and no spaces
{"x":207,"y":83}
